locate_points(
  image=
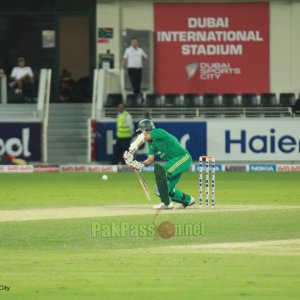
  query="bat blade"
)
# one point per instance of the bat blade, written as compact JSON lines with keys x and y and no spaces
{"x":143,"y":184}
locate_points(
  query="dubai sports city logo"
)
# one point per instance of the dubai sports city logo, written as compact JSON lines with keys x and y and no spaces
{"x":210,"y":71}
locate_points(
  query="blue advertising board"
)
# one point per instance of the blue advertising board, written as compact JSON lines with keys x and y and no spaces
{"x":192,"y":136}
{"x":22,"y":140}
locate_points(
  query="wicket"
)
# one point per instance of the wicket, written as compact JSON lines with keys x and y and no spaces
{"x":207,"y":159}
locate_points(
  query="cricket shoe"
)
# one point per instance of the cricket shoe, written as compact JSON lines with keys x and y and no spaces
{"x":182,"y":206}
{"x":162,"y":205}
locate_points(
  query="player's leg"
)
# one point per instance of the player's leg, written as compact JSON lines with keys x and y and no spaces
{"x":162,"y":187}
{"x":175,"y":168}
{"x":176,"y":194}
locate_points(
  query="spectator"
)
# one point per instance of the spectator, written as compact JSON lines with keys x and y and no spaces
{"x":134,"y":59}
{"x":83,"y":87}
{"x":125,"y":129}
{"x":67,"y":87}
{"x":22,"y":79}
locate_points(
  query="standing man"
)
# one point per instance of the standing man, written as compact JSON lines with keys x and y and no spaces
{"x":125,"y":129}
{"x":134,"y":59}
{"x":178,"y":160}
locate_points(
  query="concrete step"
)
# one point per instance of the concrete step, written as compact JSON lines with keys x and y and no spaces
{"x":66,"y":152}
{"x":69,"y":107}
{"x":67,"y":118}
{"x":67,"y":132}
{"x":66,"y":139}
{"x":59,"y":125}
{"x":69,"y":145}
{"x":18,"y":106}
{"x":70,"y":112}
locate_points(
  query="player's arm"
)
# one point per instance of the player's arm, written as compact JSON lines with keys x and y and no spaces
{"x":138,"y":142}
{"x":129,"y":155}
{"x":149,"y":161}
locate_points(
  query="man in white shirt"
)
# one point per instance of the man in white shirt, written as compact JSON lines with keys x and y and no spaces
{"x":134,"y":59}
{"x":22,"y":78}
{"x":124,"y":133}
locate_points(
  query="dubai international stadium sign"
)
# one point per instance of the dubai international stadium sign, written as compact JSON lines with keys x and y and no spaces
{"x":211,"y":47}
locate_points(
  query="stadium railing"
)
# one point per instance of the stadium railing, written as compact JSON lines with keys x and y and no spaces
{"x":109,"y":88}
{"x":201,"y":108}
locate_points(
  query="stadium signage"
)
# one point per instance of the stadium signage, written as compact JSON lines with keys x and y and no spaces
{"x":288,"y":168}
{"x":192,"y":135}
{"x":262,"y":168}
{"x":236,"y":168}
{"x":15,"y":146}
{"x":17,"y":169}
{"x":262,"y":143}
{"x":202,"y":38}
{"x":22,"y":140}
{"x":88,"y":168}
{"x":254,"y":140}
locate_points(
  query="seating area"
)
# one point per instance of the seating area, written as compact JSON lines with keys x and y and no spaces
{"x":206,"y":106}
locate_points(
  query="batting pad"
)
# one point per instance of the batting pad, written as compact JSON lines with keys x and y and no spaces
{"x":161,"y":181}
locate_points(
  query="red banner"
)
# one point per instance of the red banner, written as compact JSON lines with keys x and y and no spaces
{"x":211,"y":48}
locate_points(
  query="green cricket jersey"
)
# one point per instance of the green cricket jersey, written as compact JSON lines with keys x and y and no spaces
{"x":165,"y":145}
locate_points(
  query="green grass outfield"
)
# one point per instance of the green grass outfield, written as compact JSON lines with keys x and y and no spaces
{"x":249,"y":247}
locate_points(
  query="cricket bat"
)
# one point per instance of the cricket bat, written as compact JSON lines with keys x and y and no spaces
{"x":143,"y":184}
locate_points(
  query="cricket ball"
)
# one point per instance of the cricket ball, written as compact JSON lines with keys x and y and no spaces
{"x":166,"y":230}
{"x":104,"y":177}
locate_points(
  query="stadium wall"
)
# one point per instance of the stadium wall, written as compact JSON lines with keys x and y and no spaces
{"x":284,"y":35}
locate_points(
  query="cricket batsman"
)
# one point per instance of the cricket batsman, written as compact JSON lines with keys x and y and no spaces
{"x":178,"y":160}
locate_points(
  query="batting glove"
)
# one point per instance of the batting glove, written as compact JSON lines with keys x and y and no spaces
{"x":128,"y":157}
{"x":137,"y":165}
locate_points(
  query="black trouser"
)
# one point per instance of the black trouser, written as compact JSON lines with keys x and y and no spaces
{"x":135,"y":76}
{"x":121,"y":146}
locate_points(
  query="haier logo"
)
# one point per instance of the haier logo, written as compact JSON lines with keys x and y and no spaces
{"x":15,"y":146}
{"x":268,"y":143}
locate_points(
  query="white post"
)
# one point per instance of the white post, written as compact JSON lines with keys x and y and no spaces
{"x":101,"y":92}
{"x":41,"y":91}
{"x":122,"y":83}
{"x":89,"y":140}
{"x":48,"y":74}
{"x":95,"y":88}
{"x":3,"y":89}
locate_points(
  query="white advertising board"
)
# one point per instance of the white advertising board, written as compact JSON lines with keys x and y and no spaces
{"x":254,"y":139}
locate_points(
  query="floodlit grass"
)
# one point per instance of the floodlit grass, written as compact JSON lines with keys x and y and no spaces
{"x":69,"y":189}
{"x":58,"y":259}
